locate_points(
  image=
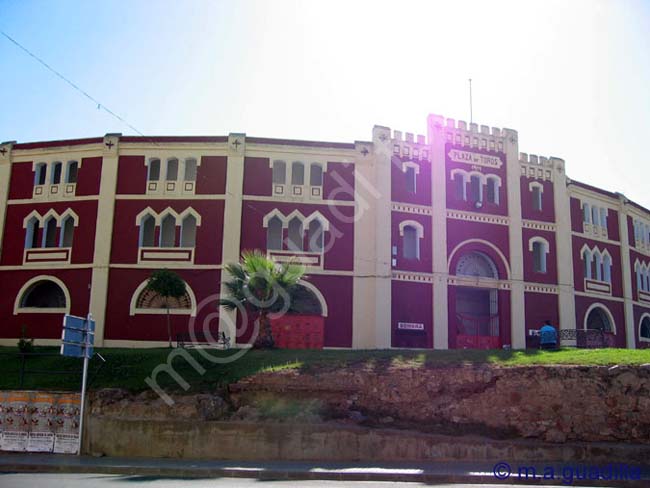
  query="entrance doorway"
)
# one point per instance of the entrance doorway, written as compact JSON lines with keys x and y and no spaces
{"x":477,"y":318}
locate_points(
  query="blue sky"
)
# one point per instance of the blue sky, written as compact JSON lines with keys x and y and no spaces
{"x":572,"y":77}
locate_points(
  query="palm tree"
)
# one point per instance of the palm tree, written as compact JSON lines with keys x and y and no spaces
{"x":168,"y":285}
{"x":262,"y":287}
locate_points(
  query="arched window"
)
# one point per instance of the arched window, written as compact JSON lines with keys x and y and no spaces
{"x":410,"y":243}
{"x":168,"y":231}
{"x":639,"y":284}
{"x":598,"y":261}
{"x":586,"y":263}
{"x":315,"y":236}
{"x":147,"y":231}
{"x":297,"y":173}
{"x":493,"y":190}
{"x":274,"y":234}
{"x":476,"y":264}
{"x":31,"y":234}
{"x":603,"y":217}
{"x":56,"y":173}
{"x":305,"y":302}
{"x":316,"y":175}
{"x":644,"y":328}
{"x":190,"y":169}
{"x":475,"y":188}
{"x":607,"y":268}
{"x":71,"y":172}
{"x":39,"y":175}
{"x":279,"y":172}
{"x":188,"y":231}
{"x":598,"y":319}
{"x":43,"y":294}
{"x":295,"y":238}
{"x":595,"y":215}
{"x":539,"y":256}
{"x":459,"y":186}
{"x":67,"y":232}
{"x":172,"y":169}
{"x":536,"y":192}
{"x":154,"y":170}
{"x":49,"y":233}
{"x":410,"y":179}
{"x":149,"y":299}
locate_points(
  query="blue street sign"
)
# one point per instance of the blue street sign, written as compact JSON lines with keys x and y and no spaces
{"x":78,"y":336}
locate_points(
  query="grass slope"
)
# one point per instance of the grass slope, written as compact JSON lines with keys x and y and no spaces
{"x":127,"y":368}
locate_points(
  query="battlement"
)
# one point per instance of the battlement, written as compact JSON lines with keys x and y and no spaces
{"x":408,"y":137}
{"x":473,"y":135}
{"x":539,"y":167}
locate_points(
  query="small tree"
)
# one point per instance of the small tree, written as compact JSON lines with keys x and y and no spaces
{"x":261,"y":286}
{"x":168,"y":285}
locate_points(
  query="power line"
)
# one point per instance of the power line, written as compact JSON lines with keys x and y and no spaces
{"x":72,"y":84}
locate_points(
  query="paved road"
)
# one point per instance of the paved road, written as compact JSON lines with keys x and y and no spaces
{"x":122,"y":481}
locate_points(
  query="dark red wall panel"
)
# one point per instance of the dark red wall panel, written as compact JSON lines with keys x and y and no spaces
{"x":412,"y":302}
{"x":89,"y":176}
{"x":21,"y":185}
{"x":132,"y":175}
{"x":211,"y":175}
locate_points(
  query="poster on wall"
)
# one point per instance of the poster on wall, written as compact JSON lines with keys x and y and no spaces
{"x":41,"y":433}
{"x":35,"y":421}
{"x":15,"y":421}
{"x":66,"y":436}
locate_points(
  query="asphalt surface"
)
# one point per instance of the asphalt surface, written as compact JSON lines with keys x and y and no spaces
{"x":28,"y":480}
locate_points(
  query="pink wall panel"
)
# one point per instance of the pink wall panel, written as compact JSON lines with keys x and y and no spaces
{"x":425,"y":263}
{"x":89,"y":176}
{"x":83,"y":244}
{"x":613,"y":230}
{"x":459,"y":231}
{"x":339,"y":241}
{"x":131,"y":176}
{"x":21,"y":185}
{"x":547,"y":213}
{"x":540,"y":307}
{"x":338,"y":182}
{"x":41,"y":325}
{"x":211,"y":175}
{"x":122,"y":285}
{"x":422,"y":195}
{"x":615,"y":308}
{"x":551,"y":258}
{"x":578,"y":267}
{"x":412,"y":302}
{"x":209,"y":234}
{"x":576,"y":215}
{"x":258,"y":176}
{"x":452,"y":199}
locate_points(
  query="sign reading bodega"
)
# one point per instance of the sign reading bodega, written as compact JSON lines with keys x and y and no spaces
{"x":458,"y":156}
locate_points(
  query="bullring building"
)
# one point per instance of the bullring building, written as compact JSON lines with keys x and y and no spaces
{"x":450,"y":240}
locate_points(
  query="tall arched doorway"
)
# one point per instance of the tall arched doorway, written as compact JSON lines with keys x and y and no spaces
{"x":477,"y":307}
{"x":303,"y":325}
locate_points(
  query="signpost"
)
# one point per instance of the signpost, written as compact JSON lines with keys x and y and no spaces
{"x":77,"y":340}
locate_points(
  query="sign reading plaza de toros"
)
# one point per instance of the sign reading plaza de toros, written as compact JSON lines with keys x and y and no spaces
{"x":468,"y":157}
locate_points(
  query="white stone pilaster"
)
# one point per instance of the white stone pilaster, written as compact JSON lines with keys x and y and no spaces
{"x":232,"y":222}
{"x":436,"y":137}
{"x":381,"y":198}
{"x":564,"y":246}
{"x":5,"y":176}
{"x":364,"y":323}
{"x":517,"y":314}
{"x":626,"y":273}
{"x":104,"y":234}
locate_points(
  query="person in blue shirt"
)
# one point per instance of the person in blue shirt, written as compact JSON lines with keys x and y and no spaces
{"x":547,"y":336}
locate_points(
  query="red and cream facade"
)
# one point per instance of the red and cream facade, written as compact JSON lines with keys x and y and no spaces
{"x":451,"y":240}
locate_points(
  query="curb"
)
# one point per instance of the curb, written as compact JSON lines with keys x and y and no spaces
{"x":394,"y":475}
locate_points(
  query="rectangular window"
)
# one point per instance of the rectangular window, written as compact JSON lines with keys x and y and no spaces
{"x":459,"y":184}
{"x":537,"y":199}
{"x":297,"y":173}
{"x":279,"y":172}
{"x":56,"y":173}
{"x":73,"y":167}
{"x":410,"y":180}
{"x":172,"y":170}
{"x":190,"y":170}
{"x":475,"y":188}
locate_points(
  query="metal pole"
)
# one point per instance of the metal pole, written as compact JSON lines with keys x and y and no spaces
{"x":471,"y":115}
{"x":83,"y":403}
{"x":83,"y":384}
